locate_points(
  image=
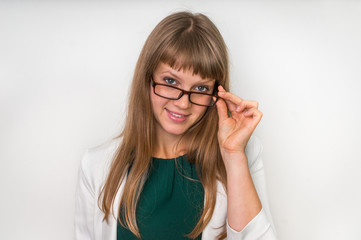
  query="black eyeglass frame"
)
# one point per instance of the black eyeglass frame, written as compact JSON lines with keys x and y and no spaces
{"x":187,"y":92}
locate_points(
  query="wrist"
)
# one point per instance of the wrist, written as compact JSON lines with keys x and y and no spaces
{"x":235,"y":160}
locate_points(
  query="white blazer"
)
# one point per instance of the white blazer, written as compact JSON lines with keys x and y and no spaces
{"x":89,"y":224}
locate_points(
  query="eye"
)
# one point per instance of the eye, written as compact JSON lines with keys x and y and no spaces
{"x":202,"y":88}
{"x":170,"y":81}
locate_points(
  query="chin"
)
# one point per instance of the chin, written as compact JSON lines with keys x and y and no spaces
{"x":176,"y":132}
{"x":173,"y":131}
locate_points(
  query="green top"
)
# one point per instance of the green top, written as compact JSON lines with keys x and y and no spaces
{"x":170,"y":204}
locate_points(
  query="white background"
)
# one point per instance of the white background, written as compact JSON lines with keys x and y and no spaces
{"x":65,"y":69}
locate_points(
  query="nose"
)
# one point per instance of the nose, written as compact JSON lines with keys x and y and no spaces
{"x":183,"y":102}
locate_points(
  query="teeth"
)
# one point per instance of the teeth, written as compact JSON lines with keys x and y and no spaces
{"x":176,"y":115}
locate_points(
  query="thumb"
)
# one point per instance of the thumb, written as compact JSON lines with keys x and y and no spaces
{"x":222,"y":110}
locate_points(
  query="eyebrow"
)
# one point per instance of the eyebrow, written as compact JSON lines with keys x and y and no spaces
{"x":176,"y":76}
{"x":169,"y":72}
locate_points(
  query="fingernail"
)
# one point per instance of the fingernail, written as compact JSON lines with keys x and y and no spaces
{"x":221,"y":93}
{"x":238,"y":108}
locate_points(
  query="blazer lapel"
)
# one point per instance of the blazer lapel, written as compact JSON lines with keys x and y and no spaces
{"x":218,"y":220}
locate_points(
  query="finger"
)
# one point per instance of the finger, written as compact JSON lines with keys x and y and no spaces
{"x":221,"y":89}
{"x":254,"y":116}
{"x":254,"y":112}
{"x":246,"y":105}
{"x":222,"y":110}
{"x":233,"y":101}
{"x":229,"y":96}
{"x":231,"y":106}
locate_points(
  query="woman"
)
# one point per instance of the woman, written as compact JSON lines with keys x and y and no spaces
{"x":183,"y":166}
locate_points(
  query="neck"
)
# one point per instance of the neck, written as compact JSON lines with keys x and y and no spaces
{"x":169,"y":147}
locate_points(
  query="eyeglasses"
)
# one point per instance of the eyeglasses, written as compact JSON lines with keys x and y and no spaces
{"x":174,"y":93}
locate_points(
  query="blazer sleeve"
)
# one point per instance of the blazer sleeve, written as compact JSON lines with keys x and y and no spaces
{"x":261,"y":226}
{"x":84,"y":204}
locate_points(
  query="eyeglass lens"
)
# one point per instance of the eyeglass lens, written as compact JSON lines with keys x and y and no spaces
{"x":173,"y":93}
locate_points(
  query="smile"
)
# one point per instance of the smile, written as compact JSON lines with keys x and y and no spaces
{"x":177,"y":117}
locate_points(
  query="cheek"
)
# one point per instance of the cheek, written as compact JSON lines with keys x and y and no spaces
{"x":156,"y":101}
{"x":153,"y":101}
{"x":199,"y":110}
{"x":153,"y":97}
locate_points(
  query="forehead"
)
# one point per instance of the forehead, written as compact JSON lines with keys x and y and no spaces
{"x":164,"y":69}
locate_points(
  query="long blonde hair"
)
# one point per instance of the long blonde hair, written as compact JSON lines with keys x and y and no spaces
{"x":184,"y":41}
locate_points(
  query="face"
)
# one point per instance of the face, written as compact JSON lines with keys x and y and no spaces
{"x":174,"y":117}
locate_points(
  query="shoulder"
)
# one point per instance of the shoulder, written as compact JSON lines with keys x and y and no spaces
{"x":96,"y":161}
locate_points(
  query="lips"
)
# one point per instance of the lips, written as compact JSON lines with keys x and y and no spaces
{"x":176,"y":117}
